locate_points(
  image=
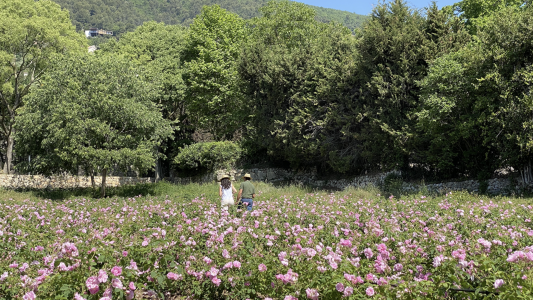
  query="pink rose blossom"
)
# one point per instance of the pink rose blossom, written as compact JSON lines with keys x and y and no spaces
{"x":312,"y":294}
{"x":498,"y":283}
{"x":116,"y":271}
{"x":29,"y":296}
{"x":116,"y":283}
{"x":262,"y":268}
{"x":348,"y":292}
{"x":174,"y":276}
{"x":92,"y":285}
{"x":216,"y":281}
{"x":339,"y":287}
{"x":370,"y":291}
{"x":78,"y":297}
{"x":102,"y":276}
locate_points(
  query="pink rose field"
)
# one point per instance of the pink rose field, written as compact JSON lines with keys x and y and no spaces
{"x":311,"y":246}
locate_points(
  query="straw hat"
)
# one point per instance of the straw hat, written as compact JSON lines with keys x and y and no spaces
{"x":225,"y":176}
{"x":247,"y":175}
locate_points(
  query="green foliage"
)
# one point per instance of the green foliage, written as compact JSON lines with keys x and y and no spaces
{"x":158,"y":49}
{"x":477,"y":12}
{"x":396,"y":46}
{"x":32,"y":33}
{"x":210,"y":156}
{"x":297,"y":74}
{"x":94,"y":112}
{"x":214,"y":89}
{"x":123,"y":16}
{"x":392,"y":185}
{"x":477,"y":106}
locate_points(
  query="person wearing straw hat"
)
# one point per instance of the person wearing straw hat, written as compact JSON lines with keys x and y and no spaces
{"x":225,"y":191}
{"x":247,"y":192}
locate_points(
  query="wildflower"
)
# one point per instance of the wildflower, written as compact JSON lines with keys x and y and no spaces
{"x":346,"y":243}
{"x":116,"y":271}
{"x":132,"y":286}
{"x":339,"y":287}
{"x":262,"y":267}
{"x":348,"y":292}
{"x":102,"y":276}
{"x":370,"y":291}
{"x":116,"y":283}
{"x":29,"y":296}
{"x":216,"y":281}
{"x":108,"y":293}
{"x":92,"y":284}
{"x":174,"y":276}
{"x":207,"y":260}
{"x":312,"y":294}
{"x":398,"y":267}
{"x":237,"y":264}
{"x":498,"y":283}
{"x":368,"y":253}
{"x":78,"y":297}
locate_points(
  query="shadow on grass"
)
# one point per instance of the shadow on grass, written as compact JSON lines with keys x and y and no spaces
{"x":147,"y":189}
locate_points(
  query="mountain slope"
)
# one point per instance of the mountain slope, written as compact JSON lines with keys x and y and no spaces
{"x":124,"y":15}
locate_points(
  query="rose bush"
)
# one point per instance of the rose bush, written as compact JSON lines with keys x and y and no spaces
{"x":313,"y":246}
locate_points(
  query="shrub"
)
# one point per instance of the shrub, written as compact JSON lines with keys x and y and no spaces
{"x":392,"y":184}
{"x":209,"y":155}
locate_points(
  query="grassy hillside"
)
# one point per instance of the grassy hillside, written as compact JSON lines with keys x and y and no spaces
{"x":121,"y":16}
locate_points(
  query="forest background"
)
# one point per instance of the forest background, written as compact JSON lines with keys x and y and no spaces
{"x":436,"y":93}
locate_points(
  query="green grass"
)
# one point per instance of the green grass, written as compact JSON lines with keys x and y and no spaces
{"x":185,"y":191}
{"x":190,"y":191}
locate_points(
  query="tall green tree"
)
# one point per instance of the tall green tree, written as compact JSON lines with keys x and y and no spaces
{"x":396,"y":46}
{"x":477,"y":12}
{"x":31,"y":34}
{"x":94,"y":112}
{"x":158,"y":48}
{"x":477,"y":106}
{"x":297,"y":74}
{"x":214,"y":89}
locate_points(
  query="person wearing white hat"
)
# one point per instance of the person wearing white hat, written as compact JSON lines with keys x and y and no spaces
{"x":247,"y":192}
{"x":225,"y":191}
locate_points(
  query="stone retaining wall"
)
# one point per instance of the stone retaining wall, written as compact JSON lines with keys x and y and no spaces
{"x":273,"y":175}
{"x":64,"y":182}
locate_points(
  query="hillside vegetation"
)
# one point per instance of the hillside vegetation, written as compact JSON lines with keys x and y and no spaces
{"x":122,"y":16}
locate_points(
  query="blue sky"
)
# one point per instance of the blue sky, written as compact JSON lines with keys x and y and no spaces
{"x":365,"y":7}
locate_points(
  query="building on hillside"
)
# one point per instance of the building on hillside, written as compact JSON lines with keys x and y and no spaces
{"x":92,"y":32}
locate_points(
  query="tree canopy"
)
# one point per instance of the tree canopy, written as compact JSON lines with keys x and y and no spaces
{"x":32,"y":34}
{"x":92,"y":112}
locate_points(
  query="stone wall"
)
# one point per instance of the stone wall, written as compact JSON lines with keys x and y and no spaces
{"x":272,"y":175}
{"x":63,"y":182}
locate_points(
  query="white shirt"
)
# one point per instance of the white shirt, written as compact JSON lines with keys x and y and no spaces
{"x":226,"y":193}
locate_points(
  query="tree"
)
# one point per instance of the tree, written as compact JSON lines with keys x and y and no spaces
{"x":478,"y":101}
{"x":395,"y":48}
{"x":95,"y":112}
{"x":31,"y":34}
{"x":214,"y":97}
{"x":158,"y":49}
{"x":297,"y":73}
{"x":477,"y":12}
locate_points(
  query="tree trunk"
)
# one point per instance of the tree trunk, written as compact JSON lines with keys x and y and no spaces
{"x":102,"y":190}
{"x":92,"y":179}
{"x":9,"y":155}
{"x":158,"y":170}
